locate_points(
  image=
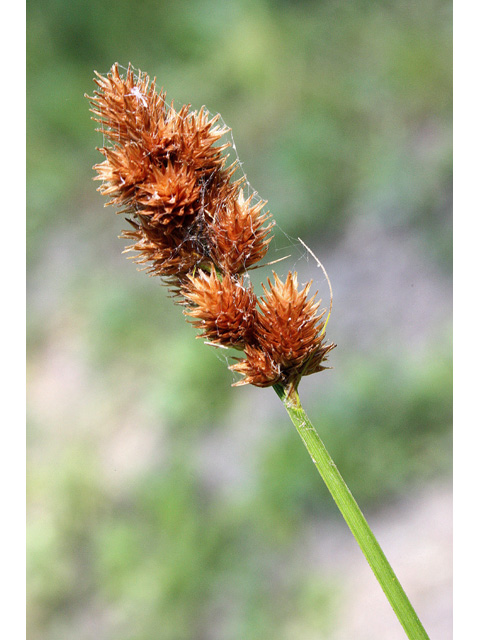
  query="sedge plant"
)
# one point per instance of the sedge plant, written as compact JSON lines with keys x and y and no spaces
{"x":192,"y":224}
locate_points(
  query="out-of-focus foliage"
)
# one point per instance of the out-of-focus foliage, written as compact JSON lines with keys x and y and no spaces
{"x":341,"y":108}
{"x":162,"y":503}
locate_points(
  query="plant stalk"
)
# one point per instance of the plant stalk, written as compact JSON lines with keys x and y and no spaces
{"x":352,"y":514}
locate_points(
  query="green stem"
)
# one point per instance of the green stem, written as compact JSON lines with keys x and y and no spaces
{"x":352,"y":514}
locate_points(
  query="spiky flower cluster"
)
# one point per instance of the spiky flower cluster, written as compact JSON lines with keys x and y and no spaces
{"x":191,"y":224}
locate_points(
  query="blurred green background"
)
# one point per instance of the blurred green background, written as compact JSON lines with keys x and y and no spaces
{"x":162,"y":503}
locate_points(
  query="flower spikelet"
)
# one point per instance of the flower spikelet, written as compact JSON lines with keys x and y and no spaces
{"x":196,"y":138}
{"x":161,"y":160}
{"x":223,"y":308}
{"x":163,"y":255}
{"x":237,"y":235}
{"x":290,"y":331}
{"x":131,"y":111}
{"x":258,"y":368}
{"x":169,"y":195}
{"x":289,"y":327}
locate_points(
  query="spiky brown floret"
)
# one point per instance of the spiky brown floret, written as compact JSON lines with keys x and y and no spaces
{"x":258,"y":368}
{"x":163,"y":255}
{"x":196,"y":137}
{"x":223,"y":308}
{"x":167,"y":169}
{"x":162,"y":162}
{"x":130,"y":111}
{"x":288,"y":324}
{"x":236,"y":233}
{"x":290,"y":332}
{"x":169,"y":195}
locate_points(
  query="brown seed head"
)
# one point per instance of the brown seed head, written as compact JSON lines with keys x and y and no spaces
{"x":258,"y":368}
{"x":192,"y":226}
{"x":160,"y":158}
{"x":236,"y":234}
{"x":223,"y":308}
{"x":130,"y":111}
{"x":163,"y":255}
{"x":167,"y":169}
{"x":196,"y":137}
{"x":289,"y":331}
